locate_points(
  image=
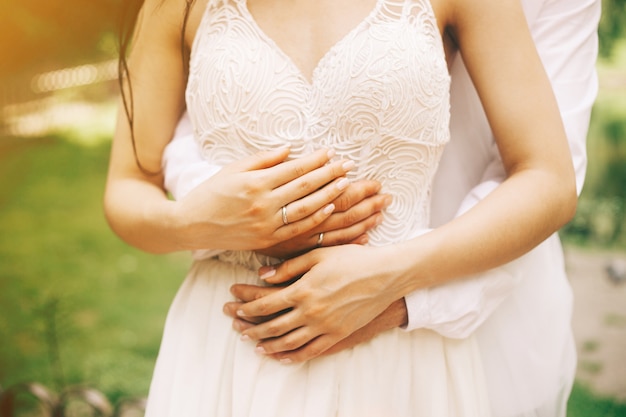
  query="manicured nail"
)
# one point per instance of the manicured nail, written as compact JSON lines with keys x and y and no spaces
{"x":286,"y":361}
{"x":343,"y":184}
{"x":348,"y":165}
{"x":245,"y":338}
{"x":260,"y":350}
{"x":268,"y":274}
{"x":331,"y":153}
{"x":329,"y":208}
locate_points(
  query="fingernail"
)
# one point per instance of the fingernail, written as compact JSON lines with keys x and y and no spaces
{"x":331,"y":153}
{"x":341,"y":185}
{"x":379,"y":220}
{"x":260,"y":350}
{"x":268,"y":274}
{"x":388,"y":201}
{"x":364,"y":240}
{"x":244,"y":338}
{"x":329,"y":208}
{"x":240,"y":313}
{"x":286,"y":361}
{"x":348,"y":165}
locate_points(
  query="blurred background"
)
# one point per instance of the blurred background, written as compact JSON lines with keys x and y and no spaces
{"x":78,"y":307}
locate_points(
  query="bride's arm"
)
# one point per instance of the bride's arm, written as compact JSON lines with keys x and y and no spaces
{"x":357,"y":209}
{"x":240,"y":208}
{"x":344,"y":288}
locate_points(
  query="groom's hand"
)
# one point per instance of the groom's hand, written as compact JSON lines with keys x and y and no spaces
{"x":246,"y":293}
{"x":394,"y":316}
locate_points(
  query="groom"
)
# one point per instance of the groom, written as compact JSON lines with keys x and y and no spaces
{"x":527,"y":346}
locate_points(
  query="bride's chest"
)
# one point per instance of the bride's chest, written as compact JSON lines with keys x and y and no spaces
{"x":381,"y":64}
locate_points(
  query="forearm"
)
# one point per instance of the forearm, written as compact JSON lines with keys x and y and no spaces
{"x":141,"y":215}
{"x":529,"y":206}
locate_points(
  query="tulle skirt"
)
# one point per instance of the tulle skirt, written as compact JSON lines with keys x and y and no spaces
{"x":204,"y":369}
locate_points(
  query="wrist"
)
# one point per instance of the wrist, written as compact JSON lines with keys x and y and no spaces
{"x":406,"y":273}
{"x":400,"y":313}
{"x":179,"y":226}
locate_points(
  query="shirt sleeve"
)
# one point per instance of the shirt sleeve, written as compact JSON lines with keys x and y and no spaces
{"x":184,"y":169}
{"x":565,"y":33}
{"x":183,"y":165}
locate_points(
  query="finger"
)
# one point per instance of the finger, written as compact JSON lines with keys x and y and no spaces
{"x":289,"y":269}
{"x":230,"y":309}
{"x":298,"y":228}
{"x":242,"y":325}
{"x":311,"y":350}
{"x":296,"y":168}
{"x":278,"y":326}
{"x":359,"y":212}
{"x":336,"y":228}
{"x":361,"y":240}
{"x":299,"y":209}
{"x":356,"y":192}
{"x":247,"y":293}
{"x":259,"y":160}
{"x":286,"y":343}
{"x":274,"y":303}
{"x":310,"y":182}
{"x":357,"y":233}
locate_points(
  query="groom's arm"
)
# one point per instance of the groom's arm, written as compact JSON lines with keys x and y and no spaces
{"x":565,"y":34}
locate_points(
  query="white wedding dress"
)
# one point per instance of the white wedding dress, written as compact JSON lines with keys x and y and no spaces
{"x":379,"y":97}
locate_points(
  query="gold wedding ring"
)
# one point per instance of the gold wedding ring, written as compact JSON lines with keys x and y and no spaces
{"x":285,"y":220}
{"x":320,"y":239}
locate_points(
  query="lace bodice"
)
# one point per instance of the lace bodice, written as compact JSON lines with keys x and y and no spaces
{"x":380,"y":97}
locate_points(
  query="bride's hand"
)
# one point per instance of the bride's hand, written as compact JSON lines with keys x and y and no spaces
{"x":342,"y":289}
{"x":261,"y":201}
{"x":357,"y":211}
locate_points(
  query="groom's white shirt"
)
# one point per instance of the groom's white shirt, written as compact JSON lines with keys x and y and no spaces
{"x":520,"y":312}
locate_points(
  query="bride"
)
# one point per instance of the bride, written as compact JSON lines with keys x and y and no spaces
{"x":366,"y":81}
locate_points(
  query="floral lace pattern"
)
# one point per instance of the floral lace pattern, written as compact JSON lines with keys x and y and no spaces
{"x":380,"y":97}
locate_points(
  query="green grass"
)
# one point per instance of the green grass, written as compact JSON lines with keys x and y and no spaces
{"x":76,"y":304}
{"x":583,"y":403}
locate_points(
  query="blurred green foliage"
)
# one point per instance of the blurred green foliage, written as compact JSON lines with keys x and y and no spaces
{"x":583,"y":403}
{"x":601,"y":217}
{"x":612,"y":25}
{"x":77,"y":305}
